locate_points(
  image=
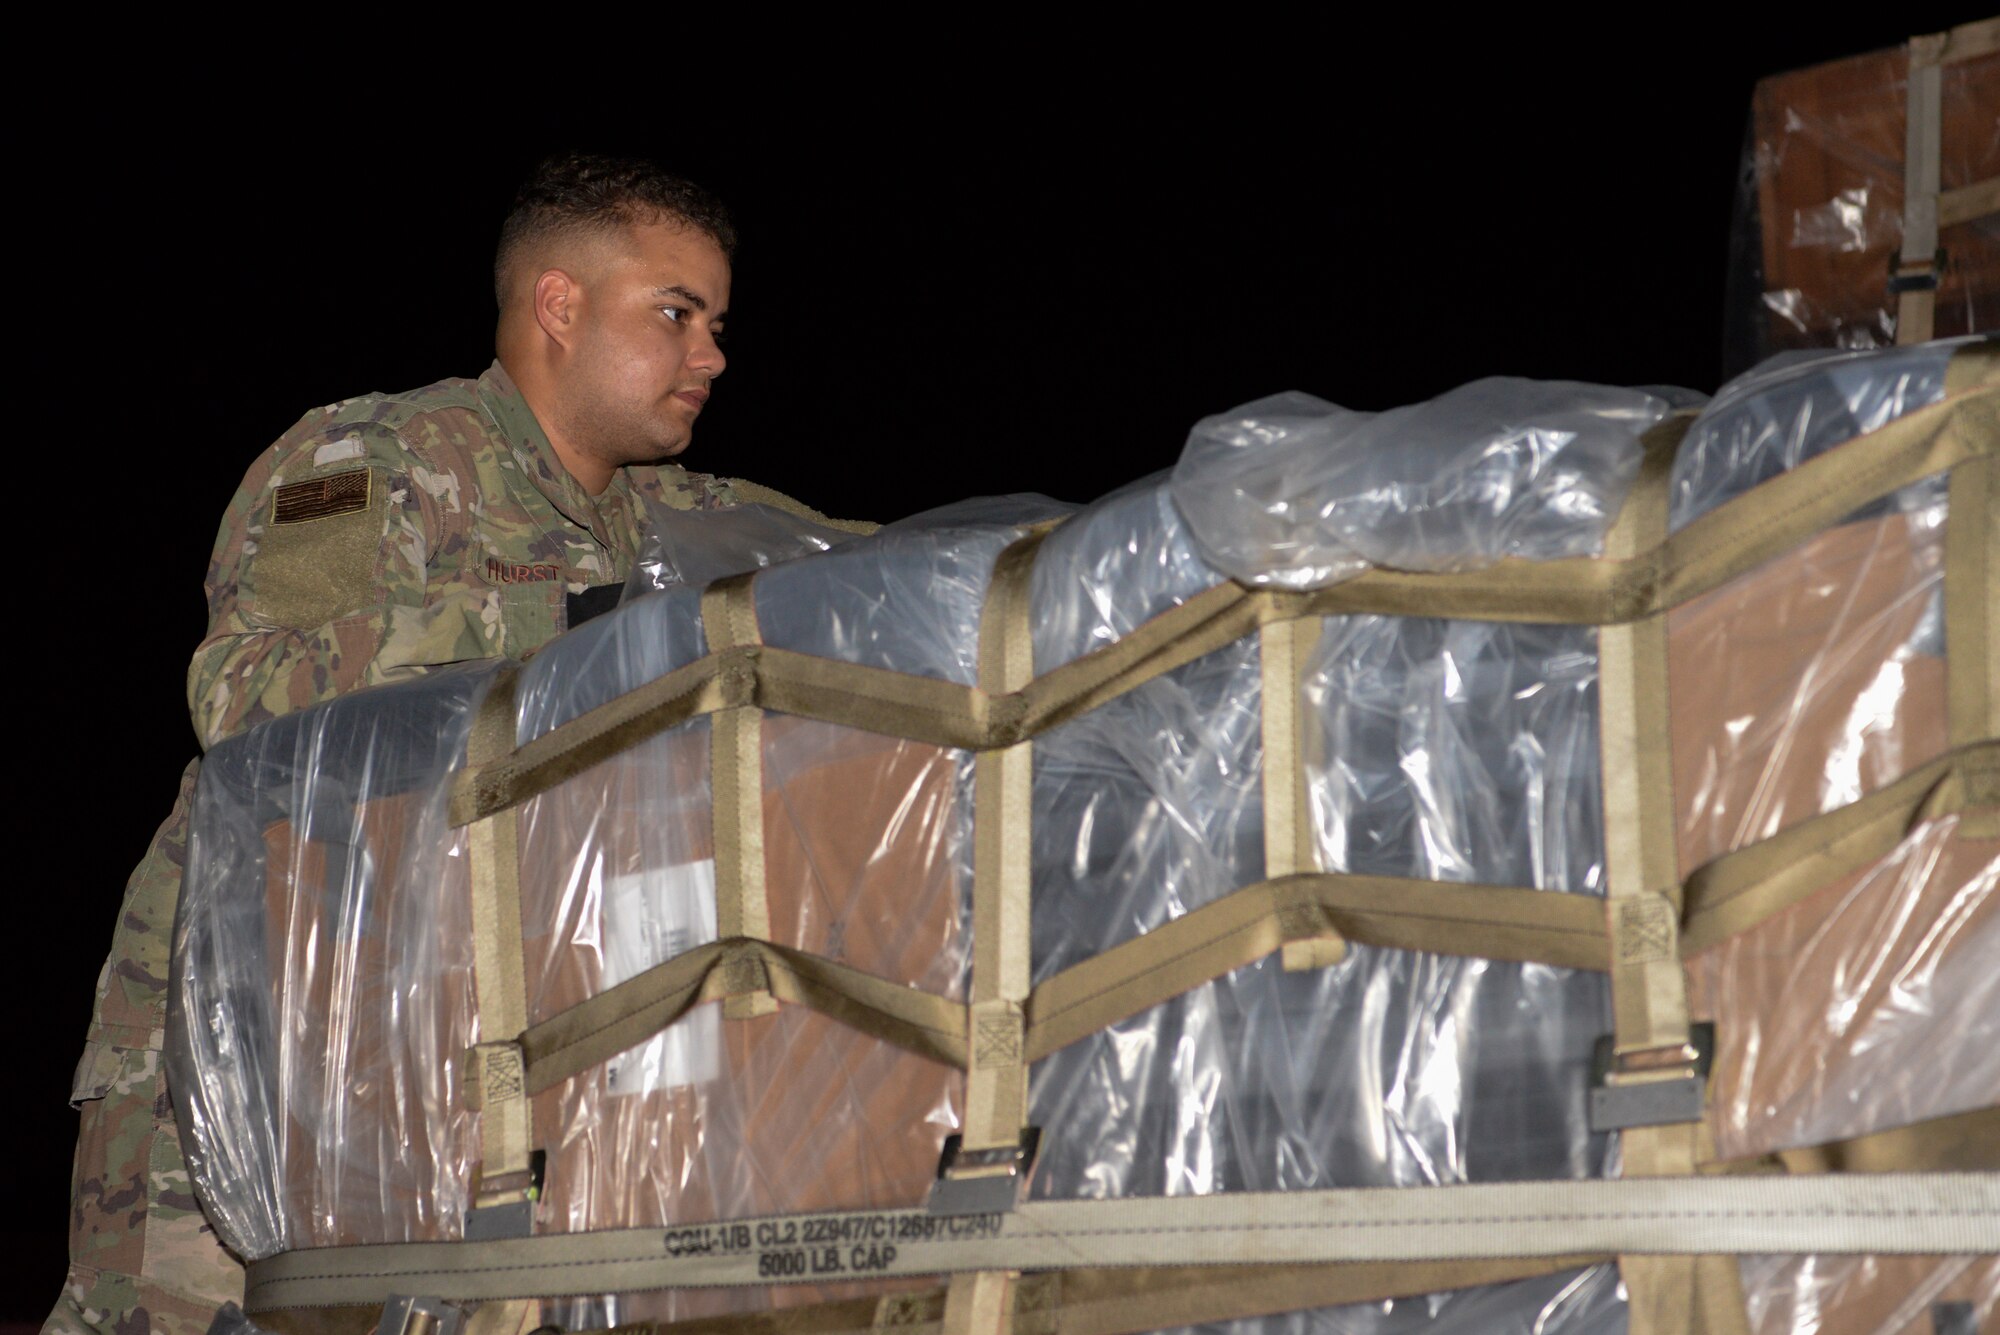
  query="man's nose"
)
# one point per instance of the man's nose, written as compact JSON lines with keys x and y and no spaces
{"x":705,"y":354}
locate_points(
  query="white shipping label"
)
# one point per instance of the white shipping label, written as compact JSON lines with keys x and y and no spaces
{"x":650,"y":917}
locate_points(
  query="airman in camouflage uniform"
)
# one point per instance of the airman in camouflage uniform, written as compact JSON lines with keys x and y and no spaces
{"x":378,"y":538}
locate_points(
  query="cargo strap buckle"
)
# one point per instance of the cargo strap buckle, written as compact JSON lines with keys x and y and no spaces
{"x":508,"y":1202}
{"x":1650,"y":1086}
{"x":988,"y":1181}
{"x":1914,"y":275}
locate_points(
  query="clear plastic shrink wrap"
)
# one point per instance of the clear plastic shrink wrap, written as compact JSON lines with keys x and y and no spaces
{"x":323,"y":966}
{"x":1294,"y":492}
{"x":693,"y":547}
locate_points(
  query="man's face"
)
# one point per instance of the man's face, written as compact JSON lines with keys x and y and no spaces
{"x":646,"y":353}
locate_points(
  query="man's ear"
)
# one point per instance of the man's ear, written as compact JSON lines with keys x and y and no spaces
{"x":558,"y":304}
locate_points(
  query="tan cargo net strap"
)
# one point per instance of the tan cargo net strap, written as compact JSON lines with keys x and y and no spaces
{"x":1497,"y":922}
{"x":1111,"y":1302}
{"x":1972,"y":584}
{"x":1285,"y":650}
{"x":996,"y":1081}
{"x":1649,"y":1006}
{"x":628,"y":1014}
{"x":1970,"y":41}
{"x":756,"y":493}
{"x":877,"y":700}
{"x":1648,"y":992}
{"x":736,"y":808}
{"x":1889,"y":1213}
{"x":1708,"y":552}
{"x":1965,"y":1142}
{"x":1724,"y":898}
{"x":1741,"y":889}
{"x":1488,"y":921}
{"x":996,"y":1090}
{"x":1969,"y":203}
{"x":493,"y":1071}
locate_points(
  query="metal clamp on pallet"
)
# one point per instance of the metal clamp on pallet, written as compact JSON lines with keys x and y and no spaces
{"x":1653,"y":1086}
{"x":989,"y":1181}
{"x":419,"y":1316}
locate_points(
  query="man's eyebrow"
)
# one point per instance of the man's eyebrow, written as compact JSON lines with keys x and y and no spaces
{"x":692,"y":298}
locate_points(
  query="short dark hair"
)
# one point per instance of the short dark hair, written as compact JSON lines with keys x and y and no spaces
{"x":577,"y":192}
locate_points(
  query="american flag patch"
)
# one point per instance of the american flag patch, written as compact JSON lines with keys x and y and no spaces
{"x":320,"y":497}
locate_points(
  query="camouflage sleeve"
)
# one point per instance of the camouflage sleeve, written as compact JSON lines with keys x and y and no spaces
{"x":713,"y":493}
{"x":318,"y":581}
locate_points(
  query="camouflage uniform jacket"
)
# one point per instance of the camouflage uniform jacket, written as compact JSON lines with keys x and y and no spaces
{"x":379,"y":537}
{"x":393,"y":533}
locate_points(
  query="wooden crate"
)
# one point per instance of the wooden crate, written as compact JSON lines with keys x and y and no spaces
{"x":1824,"y":199}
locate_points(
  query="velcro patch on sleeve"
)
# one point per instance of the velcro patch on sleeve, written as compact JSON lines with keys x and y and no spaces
{"x":322,"y":554}
{"x":321,"y":497}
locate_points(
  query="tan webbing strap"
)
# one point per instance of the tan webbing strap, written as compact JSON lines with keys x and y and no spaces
{"x":517,"y":1317}
{"x":996,"y":1085}
{"x":1649,"y":999}
{"x":1285,"y":651}
{"x":1777,"y":516}
{"x":996,"y":1082}
{"x":493,"y":1075}
{"x":1707,"y":553}
{"x":1853,"y":1213}
{"x":1741,"y":889}
{"x":492,"y":734}
{"x":1917,"y":264}
{"x":1727,"y":896}
{"x":1650,"y":1024}
{"x":711,"y":683}
{"x":1967,"y":1142}
{"x":356,"y":1320}
{"x":1498,"y":922}
{"x":756,"y":493}
{"x":736,"y":783}
{"x":1972,"y":590}
{"x":1699,"y":1294}
{"x":1490,"y":921}
{"x":1970,"y":41}
{"x":981,"y":1301}
{"x":1201,"y":625}
{"x":628,"y":1014}
{"x":1973,"y":366}
{"x":1968,"y":203}
{"x":874,"y":700}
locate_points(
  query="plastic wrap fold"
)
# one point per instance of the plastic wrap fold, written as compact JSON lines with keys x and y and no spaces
{"x":324,"y":984}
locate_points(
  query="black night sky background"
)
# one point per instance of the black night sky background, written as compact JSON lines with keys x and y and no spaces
{"x":964,"y":270}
